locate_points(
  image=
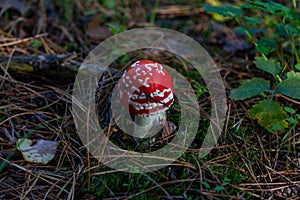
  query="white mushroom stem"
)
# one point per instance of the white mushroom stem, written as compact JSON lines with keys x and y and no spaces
{"x":148,"y":126}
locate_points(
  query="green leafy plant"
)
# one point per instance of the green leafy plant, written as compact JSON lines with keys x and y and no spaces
{"x":282,"y":43}
{"x":36,"y":43}
{"x":115,"y":29}
{"x":269,"y":113}
{"x":281,"y":27}
{"x":200,"y":89}
{"x":275,"y":34}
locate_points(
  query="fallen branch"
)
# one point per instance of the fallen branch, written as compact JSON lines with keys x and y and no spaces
{"x":39,"y":61}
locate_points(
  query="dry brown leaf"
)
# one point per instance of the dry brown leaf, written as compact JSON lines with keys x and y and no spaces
{"x":96,"y":31}
{"x":37,"y":151}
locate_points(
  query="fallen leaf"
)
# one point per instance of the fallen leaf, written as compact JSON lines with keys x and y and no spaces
{"x":37,"y":151}
{"x":270,"y":115}
{"x":96,"y":31}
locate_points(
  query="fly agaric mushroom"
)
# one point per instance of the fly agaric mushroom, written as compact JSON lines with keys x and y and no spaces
{"x":147,"y":90}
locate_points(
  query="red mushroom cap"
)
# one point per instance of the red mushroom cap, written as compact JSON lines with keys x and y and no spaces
{"x":146,"y":87}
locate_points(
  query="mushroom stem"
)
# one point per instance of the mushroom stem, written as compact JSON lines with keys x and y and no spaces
{"x":146,"y":127}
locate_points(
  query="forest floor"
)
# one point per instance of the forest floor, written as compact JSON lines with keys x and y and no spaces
{"x":42,"y":46}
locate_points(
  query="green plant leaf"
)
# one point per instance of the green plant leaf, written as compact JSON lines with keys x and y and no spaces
{"x":263,"y":49}
{"x":251,"y":31}
{"x":289,"y":110}
{"x":292,"y":74}
{"x":219,"y":188}
{"x":293,"y":15}
{"x":250,"y":88}
{"x":287,"y":30}
{"x":269,"y":66}
{"x":109,"y":4}
{"x":270,"y":7}
{"x":206,"y":184}
{"x":290,"y":86}
{"x":265,"y":45}
{"x":253,"y":20}
{"x":270,"y":115}
{"x":225,"y":10}
{"x":297,"y":66}
{"x":36,"y":43}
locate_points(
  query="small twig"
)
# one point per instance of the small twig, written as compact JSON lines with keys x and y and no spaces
{"x":7,"y":66}
{"x":23,"y":40}
{"x":289,"y":99}
{"x":11,"y":138}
